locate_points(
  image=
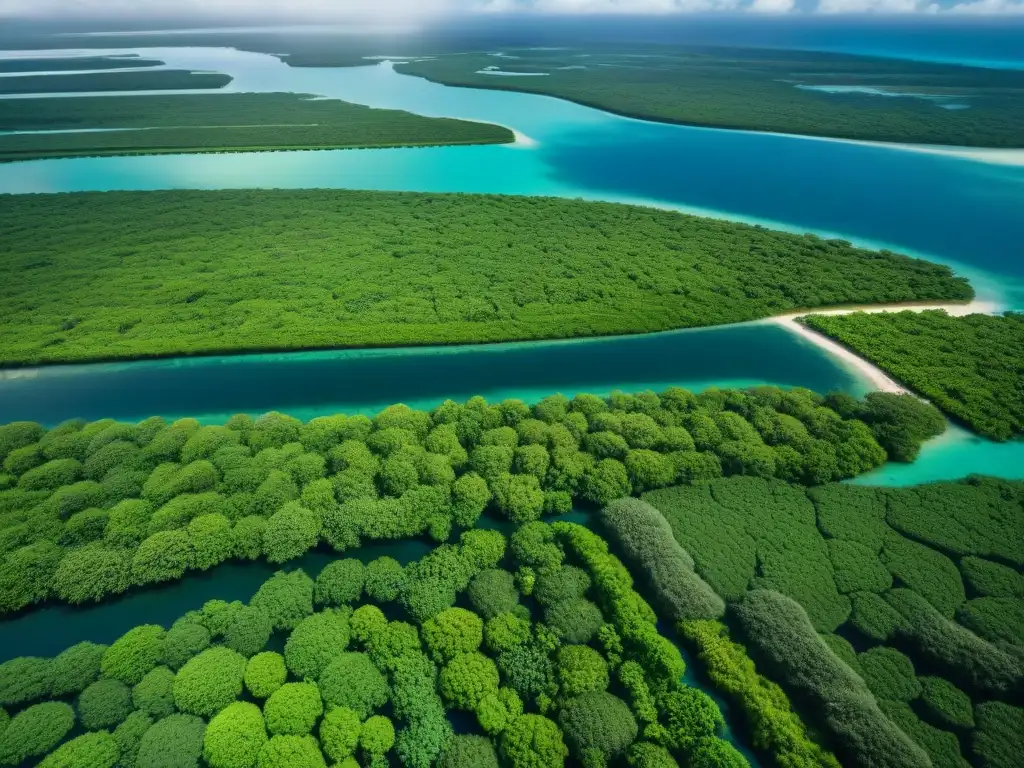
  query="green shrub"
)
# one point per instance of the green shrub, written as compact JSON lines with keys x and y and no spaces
{"x":580,"y":670}
{"x":51,"y":475}
{"x":315,"y":643}
{"x":290,"y":533}
{"x":352,"y":681}
{"x":133,"y":654}
{"x":492,"y":592}
{"x":997,"y":619}
{"x":927,"y":572}
{"x":792,"y":652}
{"x":209,"y":681}
{"x":995,"y":742}
{"x":234,"y":737}
{"x":772,"y":723}
{"x":873,"y":616}
{"x":496,"y":710}
{"x":467,"y":678}
{"x":377,"y":736}
{"x":575,"y":621}
{"x":128,"y":523}
{"x":964,"y":657}
{"x":35,"y":731}
{"x":689,"y":714}
{"x":469,"y":750}
{"x":646,"y":755}
{"x":104,"y":704}
{"x":293,"y":709}
{"x":128,"y":737}
{"x":265,"y":673}
{"x":21,"y":460}
{"x":857,"y":567}
{"x":889,"y":674}
{"x":842,"y":648}
{"x":506,"y":631}
{"x":991,"y":579}
{"x":217,"y":615}
{"x":179,"y":511}
{"x":212,"y":539}
{"x":339,"y":733}
{"x":519,"y":497}
{"x":340,"y":583}
{"x":285,"y":598}
{"x":598,"y":722}
{"x":26,"y":575}
{"x":74,"y":668}
{"x":91,"y":750}
{"x":18,"y":434}
{"x":174,"y":742}
{"x":291,"y":752}
{"x":248,"y":535}
{"x":164,"y":556}
{"x":646,"y":539}
{"x":366,"y":621}
{"x":451,"y":632}
{"x":565,"y":583}
{"x":941,"y":746}
{"x":249,"y":631}
{"x":470,"y":495}
{"x":533,"y":741}
{"x":83,"y":527}
{"x":154,"y":694}
{"x":946,"y":703}
{"x":183,"y":641}
{"x":606,"y":481}
{"x":92,"y":573}
{"x":716,"y":753}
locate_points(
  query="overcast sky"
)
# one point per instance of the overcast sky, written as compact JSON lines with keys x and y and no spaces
{"x":413,"y":11}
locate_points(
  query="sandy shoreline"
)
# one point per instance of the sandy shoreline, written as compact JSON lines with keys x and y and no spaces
{"x":878,"y":378}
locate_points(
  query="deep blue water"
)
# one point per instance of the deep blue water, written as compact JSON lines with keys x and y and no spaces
{"x":310,"y":384}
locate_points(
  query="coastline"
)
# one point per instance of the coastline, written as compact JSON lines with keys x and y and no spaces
{"x":867,"y":370}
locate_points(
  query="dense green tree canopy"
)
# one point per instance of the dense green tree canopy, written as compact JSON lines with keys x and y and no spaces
{"x":573,"y":268}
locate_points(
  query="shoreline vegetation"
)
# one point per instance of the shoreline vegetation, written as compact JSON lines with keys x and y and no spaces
{"x":403,"y":269}
{"x":756,"y":90}
{"x":238,"y":122}
{"x":128,"y":493}
{"x":881,"y":380}
{"x":967,"y":364}
{"x":88,"y":82}
{"x":50,"y":63}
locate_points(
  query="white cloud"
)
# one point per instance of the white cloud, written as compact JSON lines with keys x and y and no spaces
{"x":982,"y":7}
{"x":867,"y":6}
{"x":771,"y":6}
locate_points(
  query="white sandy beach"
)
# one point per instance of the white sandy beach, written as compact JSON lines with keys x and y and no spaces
{"x":879,"y":379}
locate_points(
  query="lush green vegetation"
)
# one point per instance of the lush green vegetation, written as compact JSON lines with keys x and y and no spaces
{"x":757,"y":90}
{"x":355,"y":687}
{"x":153,"y":80}
{"x":236,"y":122}
{"x":91,"y":510}
{"x":970,"y":367}
{"x":275,"y":269}
{"x":900,"y":584}
{"x":66,"y":64}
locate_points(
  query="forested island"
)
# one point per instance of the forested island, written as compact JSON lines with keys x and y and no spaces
{"x":230,"y":122}
{"x":277,"y":270}
{"x":970,"y":367}
{"x":754,"y":89}
{"x":73,"y":82}
{"x":75,"y":63}
{"x":527,"y":631}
